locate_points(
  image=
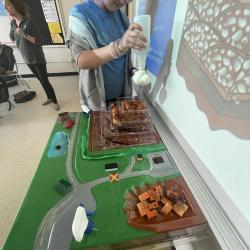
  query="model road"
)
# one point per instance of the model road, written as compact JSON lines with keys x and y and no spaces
{"x":55,"y":231}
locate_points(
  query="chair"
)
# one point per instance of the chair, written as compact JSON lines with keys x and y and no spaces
{"x":8,"y":64}
{"x":4,"y":95}
{"x":14,"y":75}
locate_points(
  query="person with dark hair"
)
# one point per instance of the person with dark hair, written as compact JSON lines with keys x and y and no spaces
{"x":24,"y":32}
{"x":100,"y":38}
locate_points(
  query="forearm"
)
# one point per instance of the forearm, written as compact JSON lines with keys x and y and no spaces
{"x":26,"y":36}
{"x":90,"y":59}
{"x":30,"y":38}
{"x":11,"y":35}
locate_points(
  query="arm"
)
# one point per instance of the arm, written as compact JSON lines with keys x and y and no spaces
{"x":90,"y":59}
{"x":97,"y":57}
{"x":30,"y":38}
{"x":26,"y":36}
{"x":12,"y":31}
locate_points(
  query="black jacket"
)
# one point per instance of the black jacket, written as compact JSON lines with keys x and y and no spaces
{"x":7,"y":59}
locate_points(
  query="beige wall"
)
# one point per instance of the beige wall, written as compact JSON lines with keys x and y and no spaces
{"x":65,"y":6}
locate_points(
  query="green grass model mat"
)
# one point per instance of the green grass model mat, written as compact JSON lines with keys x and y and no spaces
{"x":45,"y":218}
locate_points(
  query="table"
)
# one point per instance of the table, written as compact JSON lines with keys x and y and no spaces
{"x":45,"y":218}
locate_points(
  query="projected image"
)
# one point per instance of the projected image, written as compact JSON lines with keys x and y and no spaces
{"x":3,"y":12}
{"x":160,"y":30}
{"x":161,"y":45}
{"x":214,"y":59}
{"x":159,"y":86}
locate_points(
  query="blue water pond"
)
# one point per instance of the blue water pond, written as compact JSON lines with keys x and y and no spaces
{"x":58,"y":146}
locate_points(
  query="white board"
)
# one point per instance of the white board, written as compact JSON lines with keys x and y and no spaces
{"x":4,"y":25}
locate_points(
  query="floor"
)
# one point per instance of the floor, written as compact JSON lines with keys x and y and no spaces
{"x":24,"y":132}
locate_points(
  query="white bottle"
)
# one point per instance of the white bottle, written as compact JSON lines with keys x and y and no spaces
{"x":145,"y":22}
{"x":80,"y":223}
{"x":141,"y":77}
